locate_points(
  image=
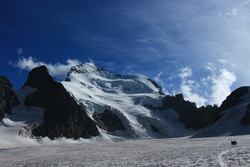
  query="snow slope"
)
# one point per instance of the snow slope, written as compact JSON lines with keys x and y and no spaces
{"x":125,"y":96}
{"x":204,"y":152}
{"x":15,"y":129}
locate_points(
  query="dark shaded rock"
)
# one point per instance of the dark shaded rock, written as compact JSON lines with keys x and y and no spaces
{"x":8,"y":98}
{"x":108,"y":121}
{"x":39,"y":78}
{"x":154,"y":128}
{"x":233,"y":99}
{"x":63,"y":116}
{"x":246,"y":119}
{"x":190,"y":115}
{"x":233,"y":142}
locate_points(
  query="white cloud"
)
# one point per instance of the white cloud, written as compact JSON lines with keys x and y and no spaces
{"x":221,"y":84}
{"x":188,"y":93}
{"x":158,"y":79}
{"x":210,"y":67}
{"x":188,"y":86}
{"x":212,"y":89}
{"x":27,"y":63}
{"x":185,"y":72}
{"x":227,"y":63}
{"x":56,"y":70}
{"x":220,"y":81}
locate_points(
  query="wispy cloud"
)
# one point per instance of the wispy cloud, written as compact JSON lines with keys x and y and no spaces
{"x":221,"y":81}
{"x":19,"y":51}
{"x":212,"y":89}
{"x":158,"y":79}
{"x":185,"y":73}
{"x":188,"y":87}
{"x":56,"y":70}
{"x":203,"y":30}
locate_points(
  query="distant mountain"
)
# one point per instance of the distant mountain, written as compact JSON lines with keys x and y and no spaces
{"x":93,"y":102}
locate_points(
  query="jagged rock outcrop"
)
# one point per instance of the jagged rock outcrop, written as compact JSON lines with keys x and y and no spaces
{"x":108,"y":121}
{"x":63,"y":116}
{"x":190,"y":115}
{"x":234,"y":98}
{"x":8,"y":98}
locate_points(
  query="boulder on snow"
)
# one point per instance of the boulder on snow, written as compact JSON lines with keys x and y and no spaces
{"x":63,"y":117}
{"x":233,"y":142}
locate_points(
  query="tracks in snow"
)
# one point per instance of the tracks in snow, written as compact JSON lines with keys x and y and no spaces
{"x":223,"y":162}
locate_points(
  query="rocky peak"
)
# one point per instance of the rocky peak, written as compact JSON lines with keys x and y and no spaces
{"x":39,"y":77}
{"x":234,"y":98}
{"x":4,"y":82}
{"x":63,"y":116}
{"x":88,"y":68}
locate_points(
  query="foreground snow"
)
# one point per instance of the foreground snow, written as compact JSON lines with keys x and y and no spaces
{"x":215,"y":151}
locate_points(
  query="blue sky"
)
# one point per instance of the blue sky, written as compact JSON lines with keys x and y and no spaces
{"x":199,"y":48}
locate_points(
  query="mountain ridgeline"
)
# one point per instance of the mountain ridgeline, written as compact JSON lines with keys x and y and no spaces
{"x":93,"y":102}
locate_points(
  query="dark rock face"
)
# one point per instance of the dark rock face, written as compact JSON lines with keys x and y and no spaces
{"x":39,"y":78}
{"x":108,"y":121}
{"x":246,"y":119}
{"x":63,"y":116}
{"x":190,"y":115}
{"x":154,"y":128}
{"x":8,"y":98}
{"x":233,"y":99}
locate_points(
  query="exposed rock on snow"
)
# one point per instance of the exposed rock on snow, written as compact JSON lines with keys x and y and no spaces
{"x":190,"y":115}
{"x":63,"y":116}
{"x":246,"y":119}
{"x":8,"y":98}
{"x":234,"y":98}
{"x":108,"y":121}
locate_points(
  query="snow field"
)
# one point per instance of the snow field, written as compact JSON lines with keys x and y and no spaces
{"x":216,"y":151}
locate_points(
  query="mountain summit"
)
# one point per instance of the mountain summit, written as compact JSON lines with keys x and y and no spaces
{"x":62,"y":116}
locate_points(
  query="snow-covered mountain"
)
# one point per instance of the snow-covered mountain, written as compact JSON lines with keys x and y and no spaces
{"x":93,"y":102}
{"x":133,"y":100}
